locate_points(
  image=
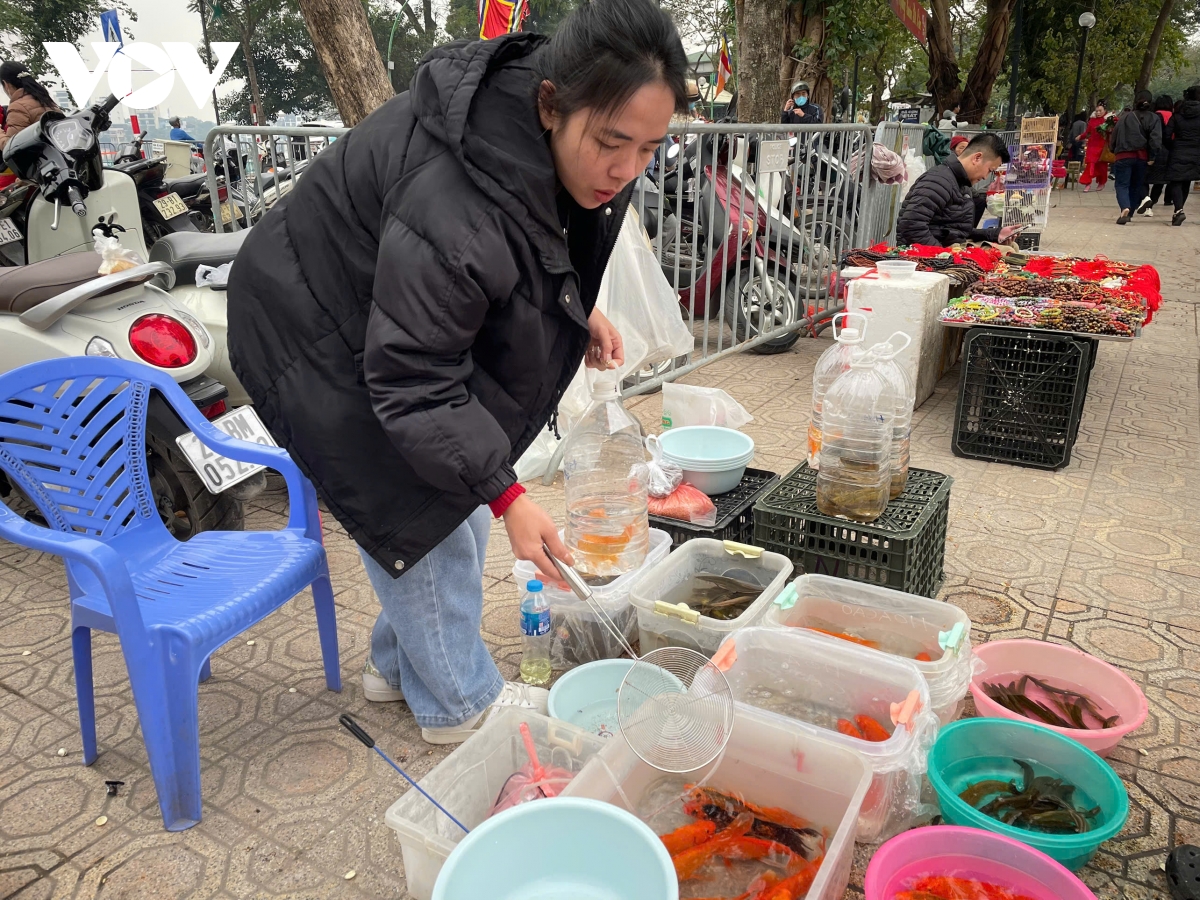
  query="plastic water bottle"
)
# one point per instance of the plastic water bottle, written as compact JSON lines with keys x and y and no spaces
{"x":854,"y":481}
{"x":604,"y":464}
{"x":906,"y":397}
{"x":535,"y":630}
{"x":832,"y":363}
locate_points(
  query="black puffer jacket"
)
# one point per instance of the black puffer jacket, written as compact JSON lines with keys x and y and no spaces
{"x":1184,"y":162}
{"x":939,"y":210}
{"x":813,"y":115}
{"x":408,"y":317}
{"x":1138,"y":129}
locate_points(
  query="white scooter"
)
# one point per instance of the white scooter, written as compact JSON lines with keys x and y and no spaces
{"x":59,"y":306}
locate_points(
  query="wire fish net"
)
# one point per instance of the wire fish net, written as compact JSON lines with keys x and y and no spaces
{"x":675,"y":710}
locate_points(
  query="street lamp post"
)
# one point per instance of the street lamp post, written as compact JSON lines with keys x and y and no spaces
{"x":1087,"y":21}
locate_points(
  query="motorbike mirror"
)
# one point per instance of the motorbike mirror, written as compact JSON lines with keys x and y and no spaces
{"x":109,"y":104}
{"x":672,"y":151}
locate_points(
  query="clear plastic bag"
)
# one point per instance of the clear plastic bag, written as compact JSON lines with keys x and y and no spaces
{"x":687,"y":404}
{"x":532,"y":781}
{"x":213,"y":276}
{"x":113,"y":257}
{"x":686,"y":503}
{"x":662,"y":476}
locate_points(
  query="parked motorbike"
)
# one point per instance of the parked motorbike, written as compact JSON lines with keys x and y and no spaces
{"x":162,"y":207}
{"x":57,"y":305}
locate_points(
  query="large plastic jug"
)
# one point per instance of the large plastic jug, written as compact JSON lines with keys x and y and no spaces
{"x":604,"y":465}
{"x":906,"y":397}
{"x":832,"y":363}
{"x":855,"y":478}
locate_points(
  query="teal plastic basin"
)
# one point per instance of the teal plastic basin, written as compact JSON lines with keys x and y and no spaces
{"x":587,"y":696}
{"x":564,"y":847}
{"x":982,"y":749}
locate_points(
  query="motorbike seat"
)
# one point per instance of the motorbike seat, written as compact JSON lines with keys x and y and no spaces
{"x":24,"y":287}
{"x":187,"y":186}
{"x":183,"y":251}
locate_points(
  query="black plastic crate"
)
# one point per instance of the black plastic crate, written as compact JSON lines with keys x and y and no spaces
{"x":1029,"y":240}
{"x":1021,"y":396}
{"x":735,"y":513}
{"x":904,"y":549}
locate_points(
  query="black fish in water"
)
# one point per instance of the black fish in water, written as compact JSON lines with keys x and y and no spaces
{"x":727,"y":599}
{"x":1043,"y":804}
{"x":1072,"y":706}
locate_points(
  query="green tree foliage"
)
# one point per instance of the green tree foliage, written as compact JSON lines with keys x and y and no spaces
{"x":26,"y":24}
{"x":886,"y":51}
{"x":1115,"y":47}
{"x":1175,"y":77}
{"x":412,"y":30}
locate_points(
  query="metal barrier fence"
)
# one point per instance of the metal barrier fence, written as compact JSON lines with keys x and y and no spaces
{"x":747,"y":222}
{"x":255,"y":166}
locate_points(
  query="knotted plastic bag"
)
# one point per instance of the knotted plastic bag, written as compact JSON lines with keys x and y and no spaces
{"x":532,"y":781}
{"x":662,"y":476}
{"x":113,"y":257}
{"x":689,"y":404}
{"x":687,"y":503}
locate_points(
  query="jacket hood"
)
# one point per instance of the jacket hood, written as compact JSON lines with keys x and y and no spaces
{"x":1189,"y":109}
{"x":479,"y":99}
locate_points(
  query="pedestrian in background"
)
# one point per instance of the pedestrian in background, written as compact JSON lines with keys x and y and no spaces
{"x":1095,"y":170}
{"x":1184,"y":165}
{"x":1156,"y":175}
{"x":28,"y":101}
{"x":1136,"y":141}
{"x":1076,"y":137}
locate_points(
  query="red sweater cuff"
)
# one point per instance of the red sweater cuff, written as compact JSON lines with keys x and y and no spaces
{"x":504,"y":501}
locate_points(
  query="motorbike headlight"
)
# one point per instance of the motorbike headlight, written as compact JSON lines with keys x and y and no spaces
{"x":69,"y":135}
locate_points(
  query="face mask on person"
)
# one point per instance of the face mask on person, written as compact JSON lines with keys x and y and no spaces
{"x":801,"y":100}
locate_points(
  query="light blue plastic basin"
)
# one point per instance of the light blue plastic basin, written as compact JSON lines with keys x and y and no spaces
{"x":587,"y":696}
{"x":714,"y":459}
{"x":564,"y":847}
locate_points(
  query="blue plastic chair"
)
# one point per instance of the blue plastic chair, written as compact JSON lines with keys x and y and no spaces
{"x":72,"y":438}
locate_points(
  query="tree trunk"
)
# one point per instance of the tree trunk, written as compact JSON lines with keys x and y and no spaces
{"x":806,"y":26}
{"x":257,"y":114}
{"x":1164,"y":16}
{"x":943,"y":67}
{"x":988,"y":60}
{"x":341,"y":35}
{"x":760,"y":27}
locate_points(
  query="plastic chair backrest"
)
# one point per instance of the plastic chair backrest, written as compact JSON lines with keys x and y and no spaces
{"x":72,"y":439}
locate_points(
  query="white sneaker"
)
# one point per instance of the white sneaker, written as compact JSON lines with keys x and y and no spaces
{"x":1144,"y":208}
{"x":1149,"y":213}
{"x":376,"y":688}
{"x":514,"y":693}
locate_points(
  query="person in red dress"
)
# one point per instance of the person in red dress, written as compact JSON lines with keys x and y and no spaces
{"x":1093,"y":169}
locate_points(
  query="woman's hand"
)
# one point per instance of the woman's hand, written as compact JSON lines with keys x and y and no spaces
{"x":529,"y":527}
{"x":605,"y":351}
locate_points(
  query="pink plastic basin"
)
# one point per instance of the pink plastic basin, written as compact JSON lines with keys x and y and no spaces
{"x":968,"y":853}
{"x":1108,"y":686}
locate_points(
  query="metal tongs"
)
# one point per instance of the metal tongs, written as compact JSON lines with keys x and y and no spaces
{"x":575,"y":581}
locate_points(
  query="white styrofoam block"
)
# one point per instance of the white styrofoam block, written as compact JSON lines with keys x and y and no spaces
{"x":910,"y":305}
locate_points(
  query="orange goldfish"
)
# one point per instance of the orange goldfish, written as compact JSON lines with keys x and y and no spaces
{"x":923,"y":657}
{"x":687,"y":836}
{"x":691,"y":861}
{"x":735,"y":804}
{"x":872,"y":730}
{"x":848,"y":728}
{"x":793,"y":887}
{"x":946,"y":887}
{"x":841,"y":635}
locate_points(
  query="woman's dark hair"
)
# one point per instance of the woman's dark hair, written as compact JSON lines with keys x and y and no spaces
{"x":605,"y":51}
{"x":1143,"y":100}
{"x":1164,"y":102}
{"x":17,"y":75}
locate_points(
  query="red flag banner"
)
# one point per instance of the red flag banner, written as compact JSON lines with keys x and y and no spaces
{"x":497,"y":17}
{"x":912,"y":14}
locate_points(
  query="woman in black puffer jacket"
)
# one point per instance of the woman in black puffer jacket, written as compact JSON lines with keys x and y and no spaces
{"x":1184,"y":165}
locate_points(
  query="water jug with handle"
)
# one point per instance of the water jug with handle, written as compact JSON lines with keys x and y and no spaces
{"x":604,"y":464}
{"x":832,"y":363}
{"x":854,"y":481}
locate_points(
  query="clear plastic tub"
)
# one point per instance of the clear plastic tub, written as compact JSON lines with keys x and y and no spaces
{"x":578,"y":635}
{"x":901,"y":624}
{"x":812,"y":683}
{"x":663,"y":623}
{"x":467,"y":783}
{"x":769,"y":762}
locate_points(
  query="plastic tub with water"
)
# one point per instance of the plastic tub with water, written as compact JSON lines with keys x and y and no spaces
{"x":662,"y":622}
{"x":810,"y":683}
{"x":898,"y":624}
{"x":467,"y":783}
{"x":975,"y":750}
{"x":1108,"y":687}
{"x":950,"y":851}
{"x":558,"y":849}
{"x":587,"y":696}
{"x":769,"y":762}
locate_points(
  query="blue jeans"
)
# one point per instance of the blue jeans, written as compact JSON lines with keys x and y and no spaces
{"x":1130,"y":176}
{"x":426,"y":639}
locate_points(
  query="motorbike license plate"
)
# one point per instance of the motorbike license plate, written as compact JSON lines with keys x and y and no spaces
{"x":171,"y":206}
{"x":226,"y":213}
{"x":9,"y":232}
{"x":218,"y":472}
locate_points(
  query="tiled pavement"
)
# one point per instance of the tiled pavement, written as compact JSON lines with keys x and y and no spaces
{"x":1104,"y":555}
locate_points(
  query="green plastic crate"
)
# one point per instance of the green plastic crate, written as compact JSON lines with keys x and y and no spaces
{"x":904,"y":549}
